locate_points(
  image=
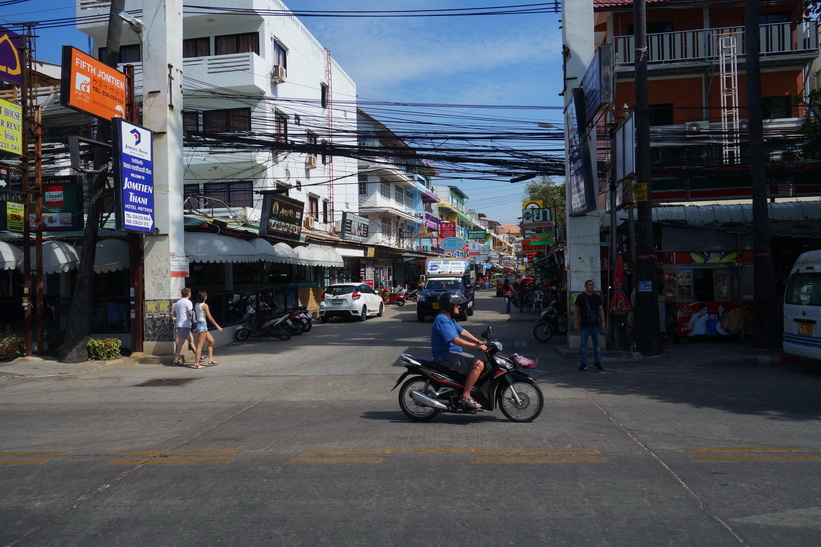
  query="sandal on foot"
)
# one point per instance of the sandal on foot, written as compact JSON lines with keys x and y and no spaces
{"x":212,"y":363}
{"x":469,"y":402}
{"x":197,"y":366}
{"x":176,"y":364}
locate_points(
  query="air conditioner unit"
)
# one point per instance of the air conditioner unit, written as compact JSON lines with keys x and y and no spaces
{"x":694,"y":129}
{"x":278,"y":74}
{"x":743,"y":125}
{"x":310,"y":161}
{"x":308,"y":222}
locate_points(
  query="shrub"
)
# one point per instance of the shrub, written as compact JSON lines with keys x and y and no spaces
{"x":107,"y":348}
{"x":12,"y":346}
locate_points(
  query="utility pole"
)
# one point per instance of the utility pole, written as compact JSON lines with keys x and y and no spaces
{"x":648,"y":333}
{"x":765,"y":318}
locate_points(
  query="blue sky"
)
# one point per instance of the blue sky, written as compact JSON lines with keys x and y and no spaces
{"x":476,"y":60}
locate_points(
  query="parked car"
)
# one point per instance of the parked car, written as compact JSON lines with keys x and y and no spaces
{"x":356,"y":300}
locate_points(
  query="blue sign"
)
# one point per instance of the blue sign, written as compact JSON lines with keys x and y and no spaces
{"x":135,"y":176}
{"x":452,"y":244}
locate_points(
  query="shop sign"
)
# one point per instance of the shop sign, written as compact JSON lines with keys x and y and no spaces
{"x":14,"y":216}
{"x":91,"y":86}
{"x":447,"y":229}
{"x":354,"y":227}
{"x":11,"y":127}
{"x":481,"y":235}
{"x":11,"y":66}
{"x":452,"y":244}
{"x":710,"y":318}
{"x":528,"y":247}
{"x":134,"y":173}
{"x":179,"y":264}
{"x":543,"y":239}
{"x":62,"y":204}
{"x":281,"y":216}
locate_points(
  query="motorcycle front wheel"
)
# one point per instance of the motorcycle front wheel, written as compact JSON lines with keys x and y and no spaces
{"x":543,"y":332}
{"x":521,"y":401}
{"x":242,"y":334}
{"x":280,"y":331}
{"x":409,"y":406}
{"x":400,"y":303}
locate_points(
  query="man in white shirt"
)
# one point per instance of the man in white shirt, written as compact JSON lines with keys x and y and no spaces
{"x":183,"y":308}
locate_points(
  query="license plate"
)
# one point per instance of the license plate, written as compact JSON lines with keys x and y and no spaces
{"x":338,"y":301}
{"x":805,"y":329}
{"x":435,"y":305}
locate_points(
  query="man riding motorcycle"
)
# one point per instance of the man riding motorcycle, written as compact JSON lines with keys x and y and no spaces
{"x":447,"y":337}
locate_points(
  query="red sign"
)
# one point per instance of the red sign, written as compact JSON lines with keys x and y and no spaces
{"x":528,"y":247}
{"x":709,"y":319}
{"x":447,"y":229}
{"x":91,"y":85}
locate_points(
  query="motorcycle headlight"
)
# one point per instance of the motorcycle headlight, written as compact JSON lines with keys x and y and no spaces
{"x":504,"y":362}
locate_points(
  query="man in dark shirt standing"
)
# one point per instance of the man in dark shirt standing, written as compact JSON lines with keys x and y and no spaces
{"x":588,"y":318}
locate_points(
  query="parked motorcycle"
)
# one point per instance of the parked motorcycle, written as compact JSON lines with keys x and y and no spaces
{"x":413,"y":295}
{"x":271,"y":325}
{"x":397,"y":298}
{"x":301,"y":319}
{"x":432,"y":388}
{"x":548,"y":323}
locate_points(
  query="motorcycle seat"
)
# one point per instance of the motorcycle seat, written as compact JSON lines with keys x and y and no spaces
{"x":431,"y":364}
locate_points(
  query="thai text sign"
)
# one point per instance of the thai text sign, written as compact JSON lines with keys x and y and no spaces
{"x":447,"y":229}
{"x":281,"y":216}
{"x":11,"y":128}
{"x":91,"y":85}
{"x":135,"y":170}
{"x":481,"y":235}
{"x":354,"y":227}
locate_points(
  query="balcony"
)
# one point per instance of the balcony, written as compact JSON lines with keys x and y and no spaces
{"x":778,"y":41}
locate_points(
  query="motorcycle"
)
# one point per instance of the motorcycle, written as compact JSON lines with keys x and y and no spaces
{"x":413,"y":295}
{"x":397,"y":298}
{"x":253,"y":325}
{"x":301,"y":319}
{"x":431,"y":388}
{"x":548,"y":323}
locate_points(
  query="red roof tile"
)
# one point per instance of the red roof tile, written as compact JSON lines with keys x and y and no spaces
{"x":621,"y":3}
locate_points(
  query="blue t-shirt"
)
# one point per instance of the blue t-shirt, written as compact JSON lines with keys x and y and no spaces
{"x":444,"y":330}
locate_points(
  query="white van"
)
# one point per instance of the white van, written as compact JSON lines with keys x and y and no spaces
{"x":802,"y":307}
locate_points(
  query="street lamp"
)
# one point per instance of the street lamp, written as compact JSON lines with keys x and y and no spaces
{"x":135,"y":24}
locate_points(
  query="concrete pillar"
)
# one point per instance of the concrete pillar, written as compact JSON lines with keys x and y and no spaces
{"x":582,"y":258}
{"x":162,"y":113}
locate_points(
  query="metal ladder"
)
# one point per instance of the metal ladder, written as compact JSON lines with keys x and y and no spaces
{"x":730,"y":127}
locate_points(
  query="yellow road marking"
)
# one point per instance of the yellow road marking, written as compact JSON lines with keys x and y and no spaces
{"x":32,"y":454}
{"x":336,"y":460}
{"x":742,"y":449}
{"x":22,"y":462}
{"x":178,"y":453}
{"x":345,"y":452}
{"x":580,"y":459}
{"x":171,"y":461}
{"x":539,"y":452}
{"x":756,"y":458}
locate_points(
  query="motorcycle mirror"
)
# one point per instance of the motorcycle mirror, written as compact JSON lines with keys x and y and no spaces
{"x":488,"y":333}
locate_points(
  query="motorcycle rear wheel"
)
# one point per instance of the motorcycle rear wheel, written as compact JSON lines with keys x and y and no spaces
{"x":280,"y":331}
{"x":400,"y":303}
{"x":530,"y":405}
{"x":409,"y":406}
{"x":543,"y":332}
{"x":242,"y":334}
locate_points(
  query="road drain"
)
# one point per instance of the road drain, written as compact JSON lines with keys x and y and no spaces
{"x":158,"y":382}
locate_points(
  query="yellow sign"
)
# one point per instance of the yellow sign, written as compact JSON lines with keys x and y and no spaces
{"x":371,"y":252}
{"x":533,"y":204}
{"x":11,"y":128}
{"x":14,"y":216}
{"x":641,"y":190}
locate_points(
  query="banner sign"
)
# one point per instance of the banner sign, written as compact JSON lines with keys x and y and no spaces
{"x":134,"y":172}
{"x":447,"y":229}
{"x":11,"y":66}
{"x":14,"y":216}
{"x":452,"y":244}
{"x":543,"y":239}
{"x":11,"y":128}
{"x":354,"y":227}
{"x":91,"y":86}
{"x":481,"y":235}
{"x":281,"y":216}
{"x":62,"y":204}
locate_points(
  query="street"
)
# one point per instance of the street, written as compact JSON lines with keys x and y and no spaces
{"x":302,"y":442}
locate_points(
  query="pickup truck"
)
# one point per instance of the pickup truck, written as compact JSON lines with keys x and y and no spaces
{"x":445,"y":275}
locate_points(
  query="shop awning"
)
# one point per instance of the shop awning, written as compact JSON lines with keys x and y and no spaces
{"x":326,"y":256}
{"x":111,"y":255}
{"x":11,"y":256}
{"x":307,"y":257}
{"x":205,"y":247}
{"x":285,"y":253}
{"x":57,"y":257}
{"x":265,"y":251}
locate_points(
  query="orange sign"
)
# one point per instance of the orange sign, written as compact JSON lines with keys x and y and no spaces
{"x":91,"y":85}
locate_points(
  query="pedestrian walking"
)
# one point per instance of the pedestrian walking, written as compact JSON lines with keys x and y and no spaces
{"x":520,"y":288}
{"x":202,"y":315}
{"x":588,"y":318}
{"x":507,"y":294}
{"x":183,"y":308}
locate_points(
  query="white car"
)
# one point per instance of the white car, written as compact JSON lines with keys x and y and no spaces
{"x":357,"y":300}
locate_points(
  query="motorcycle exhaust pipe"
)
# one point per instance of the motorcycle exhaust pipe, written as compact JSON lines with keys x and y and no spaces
{"x":427,"y":401}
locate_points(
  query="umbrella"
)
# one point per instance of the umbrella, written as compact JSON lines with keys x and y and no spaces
{"x":620,"y":303}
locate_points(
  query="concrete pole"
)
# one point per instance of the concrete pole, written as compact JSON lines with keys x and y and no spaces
{"x":162,"y":113}
{"x":582,"y":256}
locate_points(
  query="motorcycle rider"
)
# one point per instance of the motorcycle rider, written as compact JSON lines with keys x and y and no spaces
{"x":447,"y":337}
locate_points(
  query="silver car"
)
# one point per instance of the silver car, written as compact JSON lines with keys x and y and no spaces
{"x":357,"y":300}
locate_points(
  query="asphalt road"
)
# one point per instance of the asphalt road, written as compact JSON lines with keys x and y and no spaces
{"x":302,"y":442}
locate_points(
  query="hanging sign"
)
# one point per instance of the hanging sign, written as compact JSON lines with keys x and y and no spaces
{"x":11,"y":66}
{"x":134,"y":173}
{"x":452,"y":244}
{"x":11,"y":128}
{"x":91,"y":86}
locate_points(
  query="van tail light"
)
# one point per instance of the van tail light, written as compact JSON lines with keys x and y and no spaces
{"x":355,"y":295}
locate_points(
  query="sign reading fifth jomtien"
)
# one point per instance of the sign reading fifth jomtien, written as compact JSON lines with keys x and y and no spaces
{"x":135,"y":176}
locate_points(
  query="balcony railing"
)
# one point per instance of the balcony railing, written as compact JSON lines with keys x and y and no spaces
{"x":702,"y":45}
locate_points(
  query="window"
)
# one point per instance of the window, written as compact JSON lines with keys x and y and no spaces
{"x":190,"y":121}
{"x":773,"y":18}
{"x":236,"y":194}
{"x":313,"y":207}
{"x":128,"y":54}
{"x":399,"y":195}
{"x":280,"y":55}
{"x":363,"y":185}
{"x":196,"y":47}
{"x":408,"y":200}
{"x":661,"y":114}
{"x":280,"y":127}
{"x":776,"y":107}
{"x":236,"y":43}
{"x":325,"y":211}
{"x":387,"y":227}
{"x":325,"y":95}
{"x":385,"y":189}
{"x":226,"y":121}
